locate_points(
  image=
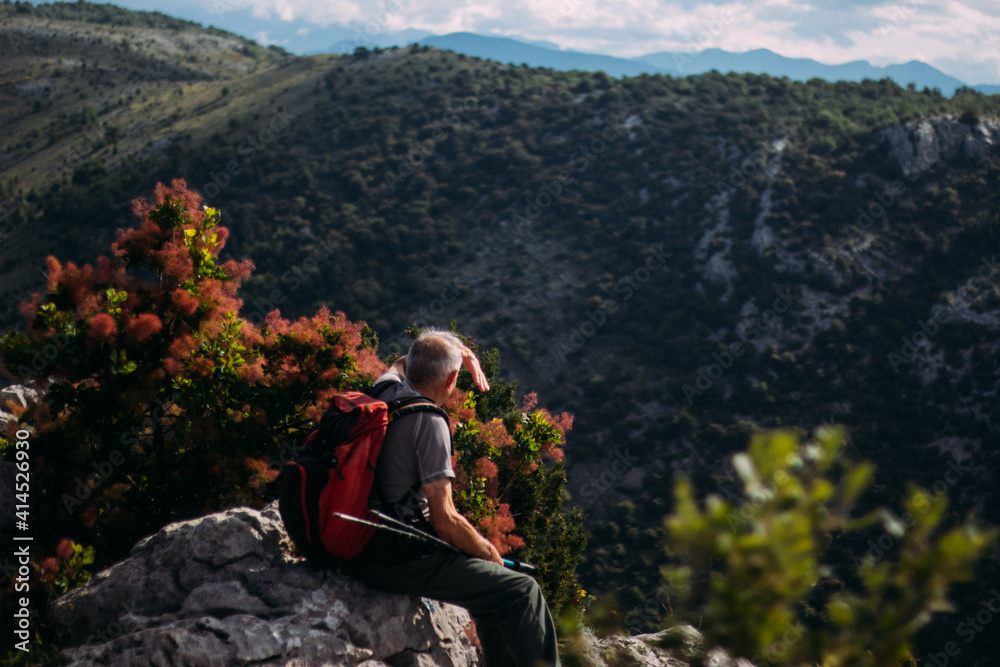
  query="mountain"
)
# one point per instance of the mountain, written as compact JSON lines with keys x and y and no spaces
{"x":675,"y":260}
{"x":515,"y":52}
{"x":763,"y":61}
{"x":371,"y":40}
{"x":301,"y":37}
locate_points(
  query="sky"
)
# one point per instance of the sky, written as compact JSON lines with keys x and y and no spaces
{"x":959,"y":37}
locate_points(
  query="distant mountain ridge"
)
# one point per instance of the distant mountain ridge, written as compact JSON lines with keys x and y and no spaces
{"x":512,"y":51}
{"x":302,"y":38}
{"x":758,"y":61}
{"x":764,"y":61}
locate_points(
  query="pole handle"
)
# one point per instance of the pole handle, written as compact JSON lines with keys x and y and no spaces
{"x":519,"y":566}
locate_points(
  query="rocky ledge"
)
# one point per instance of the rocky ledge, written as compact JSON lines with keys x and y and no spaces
{"x":226,"y":589}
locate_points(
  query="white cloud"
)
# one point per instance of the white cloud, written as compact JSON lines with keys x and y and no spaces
{"x":958,"y":36}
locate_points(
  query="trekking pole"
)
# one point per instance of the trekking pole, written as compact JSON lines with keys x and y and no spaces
{"x":510,"y":564}
{"x":415,"y":534}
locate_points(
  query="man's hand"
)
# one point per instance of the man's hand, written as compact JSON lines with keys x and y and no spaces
{"x":454,"y":528}
{"x":471,"y":364}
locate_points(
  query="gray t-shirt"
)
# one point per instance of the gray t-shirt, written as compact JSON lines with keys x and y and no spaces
{"x":416,"y":451}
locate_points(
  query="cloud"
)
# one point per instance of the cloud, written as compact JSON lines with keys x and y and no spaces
{"x":958,"y":36}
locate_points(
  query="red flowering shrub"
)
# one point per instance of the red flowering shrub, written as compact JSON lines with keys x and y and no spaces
{"x":65,"y":549}
{"x":48,"y":569}
{"x":510,"y":477}
{"x":139,"y":329}
{"x":102,"y":327}
{"x":162,"y":403}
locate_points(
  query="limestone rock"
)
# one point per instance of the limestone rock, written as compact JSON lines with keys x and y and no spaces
{"x":18,"y":395}
{"x":921,"y":144}
{"x":676,"y":647}
{"x":225,"y":590}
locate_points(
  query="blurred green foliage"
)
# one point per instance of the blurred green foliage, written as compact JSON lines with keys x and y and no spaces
{"x":756,"y":572}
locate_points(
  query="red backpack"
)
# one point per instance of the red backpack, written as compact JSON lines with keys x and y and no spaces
{"x":335,"y":472}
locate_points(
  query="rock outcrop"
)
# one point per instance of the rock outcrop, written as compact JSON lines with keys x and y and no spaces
{"x":15,"y":395}
{"x":921,"y":144}
{"x":226,"y":589}
{"x":686,"y":648}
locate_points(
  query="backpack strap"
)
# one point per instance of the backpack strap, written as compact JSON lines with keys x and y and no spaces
{"x":405,"y":406}
{"x":379,"y":388}
{"x":411,"y":405}
{"x":398,"y":409}
{"x":408,"y":406}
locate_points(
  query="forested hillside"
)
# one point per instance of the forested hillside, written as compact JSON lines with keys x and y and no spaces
{"x":673,"y":260}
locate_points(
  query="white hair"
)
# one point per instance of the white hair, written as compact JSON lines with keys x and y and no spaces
{"x":430,"y":363}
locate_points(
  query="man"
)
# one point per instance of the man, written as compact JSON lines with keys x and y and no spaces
{"x":413,"y":476}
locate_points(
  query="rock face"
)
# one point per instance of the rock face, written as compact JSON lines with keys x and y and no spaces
{"x":920,"y":144}
{"x":18,"y":395}
{"x":648,"y":650}
{"x":224,"y":590}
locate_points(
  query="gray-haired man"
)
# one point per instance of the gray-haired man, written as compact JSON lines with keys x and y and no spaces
{"x":413,"y":477}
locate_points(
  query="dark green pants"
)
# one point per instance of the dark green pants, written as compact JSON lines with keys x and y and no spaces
{"x":513,"y":622}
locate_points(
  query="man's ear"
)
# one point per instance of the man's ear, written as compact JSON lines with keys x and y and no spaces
{"x":453,"y":379}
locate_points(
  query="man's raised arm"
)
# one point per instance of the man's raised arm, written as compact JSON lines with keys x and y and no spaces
{"x":469,"y":361}
{"x":454,"y":528}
